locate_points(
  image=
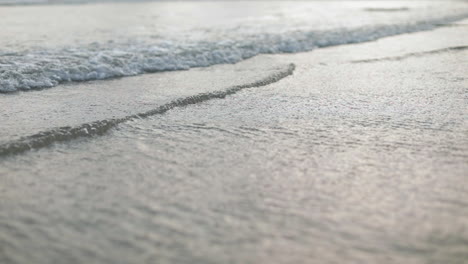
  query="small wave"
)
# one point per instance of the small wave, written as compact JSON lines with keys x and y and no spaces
{"x":39,"y":69}
{"x":416,"y":54}
{"x":96,"y":128}
{"x":396,"y":9}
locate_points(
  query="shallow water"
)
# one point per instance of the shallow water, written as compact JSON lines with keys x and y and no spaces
{"x":325,"y":166}
{"x":349,"y":154}
{"x":43,"y":46}
{"x":57,"y":112}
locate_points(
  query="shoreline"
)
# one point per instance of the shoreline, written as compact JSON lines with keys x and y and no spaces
{"x":339,"y":162}
{"x":67,"y":52}
{"x":52,"y":118}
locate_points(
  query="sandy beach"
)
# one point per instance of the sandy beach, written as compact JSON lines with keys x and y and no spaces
{"x":354,"y":153}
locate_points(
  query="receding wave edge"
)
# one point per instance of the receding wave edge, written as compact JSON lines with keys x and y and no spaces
{"x":96,"y":128}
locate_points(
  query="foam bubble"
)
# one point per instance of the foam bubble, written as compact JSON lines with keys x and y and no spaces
{"x":48,"y":67}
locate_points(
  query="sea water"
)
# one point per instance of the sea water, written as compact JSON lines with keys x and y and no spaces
{"x":42,"y":46}
{"x":349,"y":154}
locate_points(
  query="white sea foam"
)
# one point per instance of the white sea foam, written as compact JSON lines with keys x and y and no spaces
{"x":36,"y":67}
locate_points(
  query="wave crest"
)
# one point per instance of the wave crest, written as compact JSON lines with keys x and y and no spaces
{"x":47,"y":68}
